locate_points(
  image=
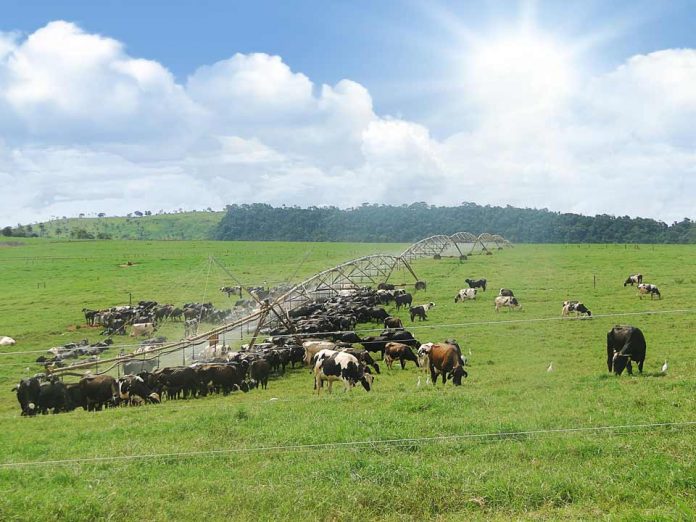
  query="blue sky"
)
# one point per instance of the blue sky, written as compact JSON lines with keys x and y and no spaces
{"x":342,"y":102}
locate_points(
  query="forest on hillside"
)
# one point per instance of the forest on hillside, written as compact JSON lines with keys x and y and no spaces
{"x":410,"y":223}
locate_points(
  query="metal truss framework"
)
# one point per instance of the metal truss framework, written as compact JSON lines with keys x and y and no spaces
{"x":461,"y":243}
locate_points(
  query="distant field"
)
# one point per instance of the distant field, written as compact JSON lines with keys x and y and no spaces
{"x":635,"y":473}
{"x":182,"y":226}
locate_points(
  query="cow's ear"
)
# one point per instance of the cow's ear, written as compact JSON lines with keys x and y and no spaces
{"x":15,"y":388}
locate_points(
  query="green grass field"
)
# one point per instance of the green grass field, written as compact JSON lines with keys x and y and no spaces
{"x":486,"y":450}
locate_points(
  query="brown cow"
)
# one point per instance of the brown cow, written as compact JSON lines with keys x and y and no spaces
{"x":398,"y":352}
{"x":446,"y":360}
{"x":99,"y":391}
{"x":393,"y":322}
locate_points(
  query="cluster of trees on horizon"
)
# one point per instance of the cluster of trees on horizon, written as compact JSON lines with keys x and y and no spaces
{"x":410,"y":223}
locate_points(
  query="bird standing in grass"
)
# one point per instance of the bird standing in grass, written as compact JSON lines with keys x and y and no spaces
{"x":664,"y":367}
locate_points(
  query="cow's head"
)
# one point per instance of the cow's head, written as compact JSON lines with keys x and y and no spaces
{"x":366,"y":379}
{"x":619,"y":362}
{"x":457,"y":374}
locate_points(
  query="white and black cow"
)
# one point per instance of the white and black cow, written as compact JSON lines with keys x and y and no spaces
{"x":133,"y":390}
{"x":574,"y":306}
{"x":340,"y":366}
{"x":625,"y":344}
{"x":647,"y":288}
{"x":464,"y":294}
{"x":508,"y":301}
{"x":506,"y":292}
{"x":420,"y":311}
{"x":312,"y":348}
{"x":634,"y":279}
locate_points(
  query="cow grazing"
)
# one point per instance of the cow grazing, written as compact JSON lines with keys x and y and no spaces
{"x":133,"y":390}
{"x":476,"y":283}
{"x":139,"y":329}
{"x":634,"y":279}
{"x":445,"y":359}
{"x":344,"y":367}
{"x":363,"y":356}
{"x":465,"y":294}
{"x":403,"y":300}
{"x":506,"y":292}
{"x":574,"y":306}
{"x":505,"y":300}
{"x":625,"y":344}
{"x":420,"y":311}
{"x":393,"y":322}
{"x":398,"y":352}
{"x":647,"y":288}
{"x":230,"y":290}
{"x":7,"y":341}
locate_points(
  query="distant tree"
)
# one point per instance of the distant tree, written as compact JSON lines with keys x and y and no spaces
{"x":148,"y":212}
{"x":138,"y":213}
{"x":101,"y":214}
{"x":81,"y":233}
{"x":7,"y":231}
{"x":81,"y":215}
{"x":103,"y":235}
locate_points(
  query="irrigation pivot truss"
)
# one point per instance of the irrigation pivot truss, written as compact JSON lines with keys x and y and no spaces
{"x":459,"y":244}
{"x":357,"y":273}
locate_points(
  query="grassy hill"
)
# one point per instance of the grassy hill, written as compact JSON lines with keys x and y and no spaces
{"x":182,"y":226}
{"x":515,"y":442}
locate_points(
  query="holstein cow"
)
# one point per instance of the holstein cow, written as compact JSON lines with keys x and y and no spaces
{"x":133,"y":390}
{"x":139,"y":329}
{"x":506,"y":292}
{"x":37,"y":397}
{"x":625,"y":344}
{"x":419,"y":311}
{"x":647,"y":288}
{"x":7,"y":341}
{"x":464,"y":294}
{"x":506,"y":300}
{"x":574,"y":306}
{"x":344,"y":367}
{"x":445,"y":359}
{"x":634,"y":279}
{"x":476,"y":283}
{"x":398,"y":352}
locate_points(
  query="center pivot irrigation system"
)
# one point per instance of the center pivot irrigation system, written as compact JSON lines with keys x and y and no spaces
{"x":354,"y":274}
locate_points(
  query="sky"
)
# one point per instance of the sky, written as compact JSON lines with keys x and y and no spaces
{"x":117,"y":106}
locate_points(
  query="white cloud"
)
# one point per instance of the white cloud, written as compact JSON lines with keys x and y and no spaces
{"x":85,"y":127}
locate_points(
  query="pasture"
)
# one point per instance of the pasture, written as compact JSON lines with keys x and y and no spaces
{"x":515,"y":441}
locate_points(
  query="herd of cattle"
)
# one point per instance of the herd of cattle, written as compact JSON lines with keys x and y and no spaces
{"x":330,"y":353}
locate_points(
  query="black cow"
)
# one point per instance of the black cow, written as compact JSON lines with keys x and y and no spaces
{"x":37,"y":397}
{"x":393,"y":322}
{"x":506,"y":292}
{"x":419,"y":311}
{"x":99,"y":391}
{"x":625,"y":344}
{"x":478,"y":283}
{"x":258,"y":371}
{"x":403,"y":300}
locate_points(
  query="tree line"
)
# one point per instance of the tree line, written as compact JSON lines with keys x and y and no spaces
{"x":410,"y":223}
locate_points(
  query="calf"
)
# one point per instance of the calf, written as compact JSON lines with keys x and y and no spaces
{"x":505,"y":300}
{"x":477,"y":283}
{"x":401,"y":352}
{"x":647,"y":288}
{"x":634,"y":279}
{"x":574,"y":306}
{"x":506,"y":292}
{"x":465,"y":294}
{"x":258,"y":371}
{"x":420,"y":311}
{"x":625,"y":344}
{"x":341,"y":367}
{"x":7,"y":341}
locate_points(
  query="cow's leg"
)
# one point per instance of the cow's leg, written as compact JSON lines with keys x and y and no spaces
{"x":403,"y":363}
{"x":640,"y":366}
{"x":629,"y":367}
{"x":433,"y":376}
